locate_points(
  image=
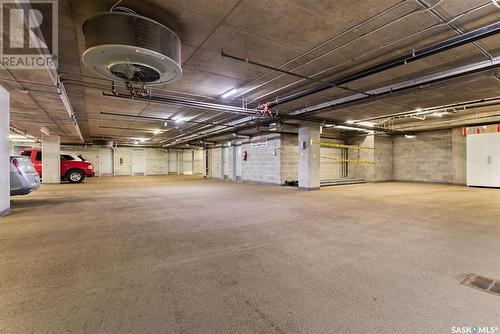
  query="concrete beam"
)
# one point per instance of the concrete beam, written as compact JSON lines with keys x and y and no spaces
{"x":4,"y":152}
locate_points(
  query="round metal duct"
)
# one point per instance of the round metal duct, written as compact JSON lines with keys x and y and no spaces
{"x":131,"y":48}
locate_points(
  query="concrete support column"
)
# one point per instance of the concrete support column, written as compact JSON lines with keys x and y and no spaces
{"x":51,"y":159}
{"x":4,"y":152}
{"x":309,"y":156}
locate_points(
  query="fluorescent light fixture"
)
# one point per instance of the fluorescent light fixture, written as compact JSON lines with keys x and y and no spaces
{"x":179,"y":120}
{"x":439,"y":114}
{"x":328,"y":125}
{"x":369,"y":124}
{"x":343,"y":127}
{"x":229,"y":93}
{"x":350,"y":122}
{"x":165,"y":124}
{"x":45,"y":131}
{"x":136,"y":143}
{"x":410,"y":136}
{"x":157,"y":131}
{"x":418,"y":109}
{"x":272,"y":127}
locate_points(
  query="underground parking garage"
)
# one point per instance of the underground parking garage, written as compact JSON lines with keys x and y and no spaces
{"x":238,"y":166}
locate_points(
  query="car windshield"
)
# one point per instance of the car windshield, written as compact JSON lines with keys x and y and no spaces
{"x":66,"y":157}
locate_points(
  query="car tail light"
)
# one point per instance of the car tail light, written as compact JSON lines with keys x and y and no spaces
{"x":18,"y":166}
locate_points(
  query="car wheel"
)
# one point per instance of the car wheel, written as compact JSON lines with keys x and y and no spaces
{"x":76,"y":176}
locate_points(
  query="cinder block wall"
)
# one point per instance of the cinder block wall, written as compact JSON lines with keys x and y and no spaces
{"x":289,"y":154}
{"x":156,"y":161}
{"x":331,"y":168}
{"x":426,"y":158}
{"x":215,"y":163}
{"x":361,"y":170}
{"x":263,"y":163}
{"x":123,"y":161}
{"x":383,"y":158}
{"x":198,"y":162}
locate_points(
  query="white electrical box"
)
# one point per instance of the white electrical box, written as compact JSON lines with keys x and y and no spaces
{"x":483,"y":160}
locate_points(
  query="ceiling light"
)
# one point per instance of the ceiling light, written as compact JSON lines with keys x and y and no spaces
{"x":229,"y":93}
{"x":410,"y":136}
{"x":343,"y":127}
{"x":179,"y":120}
{"x":369,"y":124}
{"x":157,"y":131}
{"x":165,"y":124}
{"x":439,"y":114}
{"x":350,"y":122}
{"x":45,"y":131}
{"x":328,"y":125}
{"x":136,"y":143}
{"x":418,"y":109}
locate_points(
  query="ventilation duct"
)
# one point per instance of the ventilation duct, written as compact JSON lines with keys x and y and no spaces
{"x":131,"y":48}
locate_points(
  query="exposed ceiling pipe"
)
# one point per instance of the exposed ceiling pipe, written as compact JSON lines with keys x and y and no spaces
{"x":357,"y":26}
{"x":251,"y":62}
{"x":443,"y":19}
{"x":252,"y":124}
{"x":415,"y":55}
{"x":164,"y":119}
{"x":189,"y":103}
{"x":465,"y":105}
{"x":479,"y":67}
{"x":362,"y":55}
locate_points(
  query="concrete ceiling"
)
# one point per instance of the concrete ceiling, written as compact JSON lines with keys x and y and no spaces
{"x":308,"y":37}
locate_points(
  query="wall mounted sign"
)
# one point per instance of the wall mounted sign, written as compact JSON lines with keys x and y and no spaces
{"x":258,"y":143}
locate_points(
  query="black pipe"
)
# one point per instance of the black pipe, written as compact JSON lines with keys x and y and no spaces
{"x":402,"y":89}
{"x":277,"y":69}
{"x":165,"y":119}
{"x":448,"y":44}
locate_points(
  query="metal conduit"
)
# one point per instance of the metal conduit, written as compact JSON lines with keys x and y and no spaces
{"x":448,"y":44}
{"x":372,"y":50}
{"x":376,"y":16}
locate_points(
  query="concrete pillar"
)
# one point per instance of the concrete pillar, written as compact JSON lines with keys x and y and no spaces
{"x":222,"y":161}
{"x":4,"y":152}
{"x":177,"y":154}
{"x":51,"y":159}
{"x":309,"y":156}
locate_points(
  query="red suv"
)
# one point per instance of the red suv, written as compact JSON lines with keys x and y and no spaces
{"x":73,"y":171}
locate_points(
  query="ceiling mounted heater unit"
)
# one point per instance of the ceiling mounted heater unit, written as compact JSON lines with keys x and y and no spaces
{"x":131,"y":48}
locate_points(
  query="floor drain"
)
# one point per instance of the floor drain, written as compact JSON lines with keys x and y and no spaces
{"x":482,"y":283}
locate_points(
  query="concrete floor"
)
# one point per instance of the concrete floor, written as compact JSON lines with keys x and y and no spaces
{"x":184,"y":255}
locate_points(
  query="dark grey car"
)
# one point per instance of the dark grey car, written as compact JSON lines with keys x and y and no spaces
{"x":23,"y":177}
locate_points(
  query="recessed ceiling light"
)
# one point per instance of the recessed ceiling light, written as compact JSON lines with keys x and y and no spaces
{"x":229,"y":93}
